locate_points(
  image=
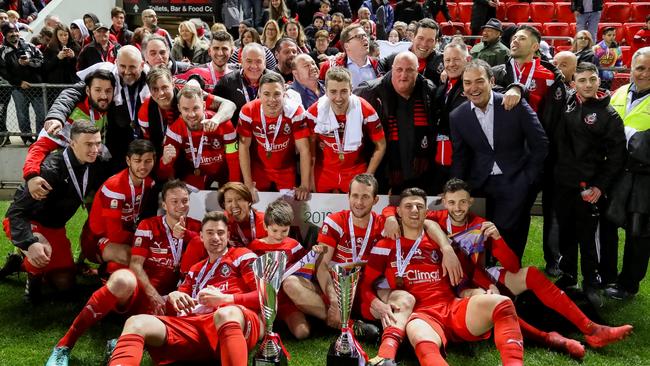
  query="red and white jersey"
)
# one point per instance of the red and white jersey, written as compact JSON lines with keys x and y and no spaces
{"x":283,"y":152}
{"x":241,"y":234}
{"x":210,"y":75}
{"x":327,"y":149}
{"x":167,"y":117}
{"x":422,"y":276}
{"x":291,"y":247}
{"x":117,"y":206}
{"x":151,"y":241}
{"x":540,"y":81}
{"x":335,"y":233}
{"x":231,"y":274}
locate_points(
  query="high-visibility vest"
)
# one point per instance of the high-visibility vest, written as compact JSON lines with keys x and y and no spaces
{"x":637,"y":118}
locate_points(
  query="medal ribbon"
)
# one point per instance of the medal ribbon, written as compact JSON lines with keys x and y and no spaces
{"x":449,"y":227}
{"x":196,"y":158}
{"x":136,"y":213}
{"x":130,"y":107}
{"x":268,"y":147}
{"x":518,"y":73}
{"x":403,"y":263}
{"x":353,"y":240}
{"x":253,"y":233}
{"x":202,"y":278}
{"x":176,"y":245}
{"x":80,"y":192}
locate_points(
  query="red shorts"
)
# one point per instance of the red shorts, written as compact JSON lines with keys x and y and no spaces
{"x":93,"y":245}
{"x":265,"y":177}
{"x":449,"y":321}
{"x":61,"y":258}
{"x":331,"y":180}
{"x":140,"y":303}
{"x":194,"y":338}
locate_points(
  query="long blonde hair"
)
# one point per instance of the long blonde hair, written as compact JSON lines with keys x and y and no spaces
{"x":301,"y":33}
{"x":278,"y":33}
{"x":590,"y":43}
{"x":192,"y":28}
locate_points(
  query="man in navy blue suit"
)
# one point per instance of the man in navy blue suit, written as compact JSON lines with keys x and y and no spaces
{"x":499,"y":153}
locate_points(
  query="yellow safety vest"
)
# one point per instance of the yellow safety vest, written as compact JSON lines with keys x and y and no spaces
{"x":639,"y":117}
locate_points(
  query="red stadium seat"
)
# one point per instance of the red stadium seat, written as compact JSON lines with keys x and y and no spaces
{"x":505,"y":25}
{"x":572,"y":28}
{"x":627,"y":55}
{"x":518,"y":12}
{"x":615,"y":12}
{"x":542,"y":12}
{"x":536,"y":25}
{"x":640,"y":11}
{"x":465,"y":12}
{"x":468,"y":28}
{"x":620,"y":32}
{"x":563,"y":13}
{"x":453,"y":13}
{"x":501,"y":10}
{"x":630,"y":31}
{"x":451,"y":30}
{"x":562,"y":48}
{"x":557,"y":30}
{"x":620,"y":79}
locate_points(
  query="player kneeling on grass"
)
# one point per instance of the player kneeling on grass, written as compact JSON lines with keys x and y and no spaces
{"x":153,"y":271}
{"x":457,"y":218}
{"x":225,"y":327}
{"x":413,"y":263}
{"x":277,"y":221}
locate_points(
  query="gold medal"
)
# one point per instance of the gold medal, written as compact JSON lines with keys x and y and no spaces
{"x":197,"y":172}
{"x":341,"y":156}
{"x":399,"y":282}
{"x":268,"y":154}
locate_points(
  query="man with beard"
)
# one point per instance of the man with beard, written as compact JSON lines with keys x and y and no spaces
{"x":241,"y":87}
{"x":159,"y":244}
{"x":204,"y":156}
{"x":336,"y":26}
{"x":285,"y":51}
{"x":305,"y":80}
{"x":37,"y":227}
{"x":100,"y":49}
{"x":99,"y":96}
{"x":221,"y":47}
{"x":356,"y":57}
{"x":491,"y":50}
{"x":150,"y":21}
{"x":424,"y":47}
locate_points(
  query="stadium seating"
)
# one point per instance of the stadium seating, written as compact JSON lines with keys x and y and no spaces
{"x":630,"y":29}
{"x":451,"y":29}
{"x":562,"y":48}
{"x":620,"y":32}
{"x":501,"y":11}
{"x":542,"y":12}
{"x":537,"y":25}
{"x":615,"y":12}
{"x":518,"y":12}
{"x":640,"y":11}
{"x":465,"y":12}
{"x":453,"y":13}
{"x":563,"y":12}
{"x":627,"y":55}
{"x":557,"y":30}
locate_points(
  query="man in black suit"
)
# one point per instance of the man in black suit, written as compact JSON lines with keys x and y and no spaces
{"x":499,"y":153}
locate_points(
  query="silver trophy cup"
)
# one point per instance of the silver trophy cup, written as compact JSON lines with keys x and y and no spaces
{"x":344,"y":350}
{"x":268,"y":270}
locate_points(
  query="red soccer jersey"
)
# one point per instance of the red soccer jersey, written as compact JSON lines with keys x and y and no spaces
{"x":240,"y":232}
{"x":283,"y":152}
{"x":116,"y":207}
{"x":541,"y":80}
{"x":212,"y":164}
{"x":167,"y":117}
{"x":422,"y":276}
{"x":291,"y":247}
{"x":335,"y":233}
{"x":210,"y":76}
{"x":151,"y":242}
{"x":327,"y":152}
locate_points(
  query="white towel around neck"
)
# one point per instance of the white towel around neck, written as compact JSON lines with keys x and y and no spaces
{"x":326,"y":122}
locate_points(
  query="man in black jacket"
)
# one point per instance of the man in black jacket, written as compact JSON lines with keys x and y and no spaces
{"x":100,"y":49}
{"x":119,"y":28}
{"x":404,"y":101}
{"x":37,"y":227}
{"x":482,"y":11}
{"x":590,"y":150}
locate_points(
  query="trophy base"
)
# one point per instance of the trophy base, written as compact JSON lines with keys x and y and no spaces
{"x":341,"y":360}
{"x":281,"y":361}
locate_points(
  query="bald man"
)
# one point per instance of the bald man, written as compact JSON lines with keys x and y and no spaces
{"x":305,"y":79}
{"x":403,"y":98}
{"x":567,"y":62}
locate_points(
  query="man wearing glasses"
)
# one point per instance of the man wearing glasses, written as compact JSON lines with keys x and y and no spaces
{"x":150,"y":21}
{"x":356,"y":57}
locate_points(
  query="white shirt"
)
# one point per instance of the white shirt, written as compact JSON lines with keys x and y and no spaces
{"x":486,"y":120}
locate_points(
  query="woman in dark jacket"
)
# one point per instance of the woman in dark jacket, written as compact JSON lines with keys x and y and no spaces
{"x":60,"y":57}
{"x":582,"y":44}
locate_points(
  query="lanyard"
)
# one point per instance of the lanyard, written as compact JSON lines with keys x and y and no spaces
{"x":202,"y":278}
{"x":449,"y":228}
{"x":403,"y":263}
{"x":163,"y":125}
{"x":130,"y":106}
{"x":196,"y":158}
{"x":353,"y":240}
{"x":518,"y":74}
{"x":244,"y":88}
{"x":81,"y":193}
{"x":268,"y":147}
{"x":176,"y":245}
{"x":340,"y":148}
{"x":214,"y":74}
{"x":136,"y":214}
{"x":241,"y":233}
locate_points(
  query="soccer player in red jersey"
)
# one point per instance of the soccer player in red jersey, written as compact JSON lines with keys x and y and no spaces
{"x":206,"y":156}
{"x":271,"y":129}
{"x":152,"y":274}
{"x":456,"y":218}
{"x":340,"y":121}
{"x":116,"y":209}
{"x":223,"y":282}
{"x":413,"y":263}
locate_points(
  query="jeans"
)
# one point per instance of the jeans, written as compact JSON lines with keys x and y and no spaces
{"x":589,"y":21}
{"x":23,"y":98}
{"x":253,"y":12}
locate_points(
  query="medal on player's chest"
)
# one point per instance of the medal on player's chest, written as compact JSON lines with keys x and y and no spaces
{"x":399,"y":282}
{"x":197,"y":172}
{"x":268,"y":154}
{"x":341,"y":157}
{"x":401,"y":262}
{"x":268,"y":144}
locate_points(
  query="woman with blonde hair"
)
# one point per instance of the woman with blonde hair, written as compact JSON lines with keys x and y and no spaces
{"x":250,"y":35}
{"x":277,"y":11}
{"x":582,"y":47}
{"x":187,"y":45}
{"x":293,"y":29}
{"x":270,"y":34}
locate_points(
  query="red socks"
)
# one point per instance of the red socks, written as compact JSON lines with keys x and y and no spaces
{"x":429,"y":354}
{"x":234,"y":351}
{"x":100,"y":303}
{"x":556,"y":299}
{"x":390,"y":342}
{"x":128,"y":351}
{"x":507,"y":335}
{"x":532,"y":333}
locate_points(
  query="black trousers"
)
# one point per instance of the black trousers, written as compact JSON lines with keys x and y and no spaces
{"x":577,"y":229}
{"x":635,"y":262}
{"x":608,"y":266}
{"x":550,"y":229}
